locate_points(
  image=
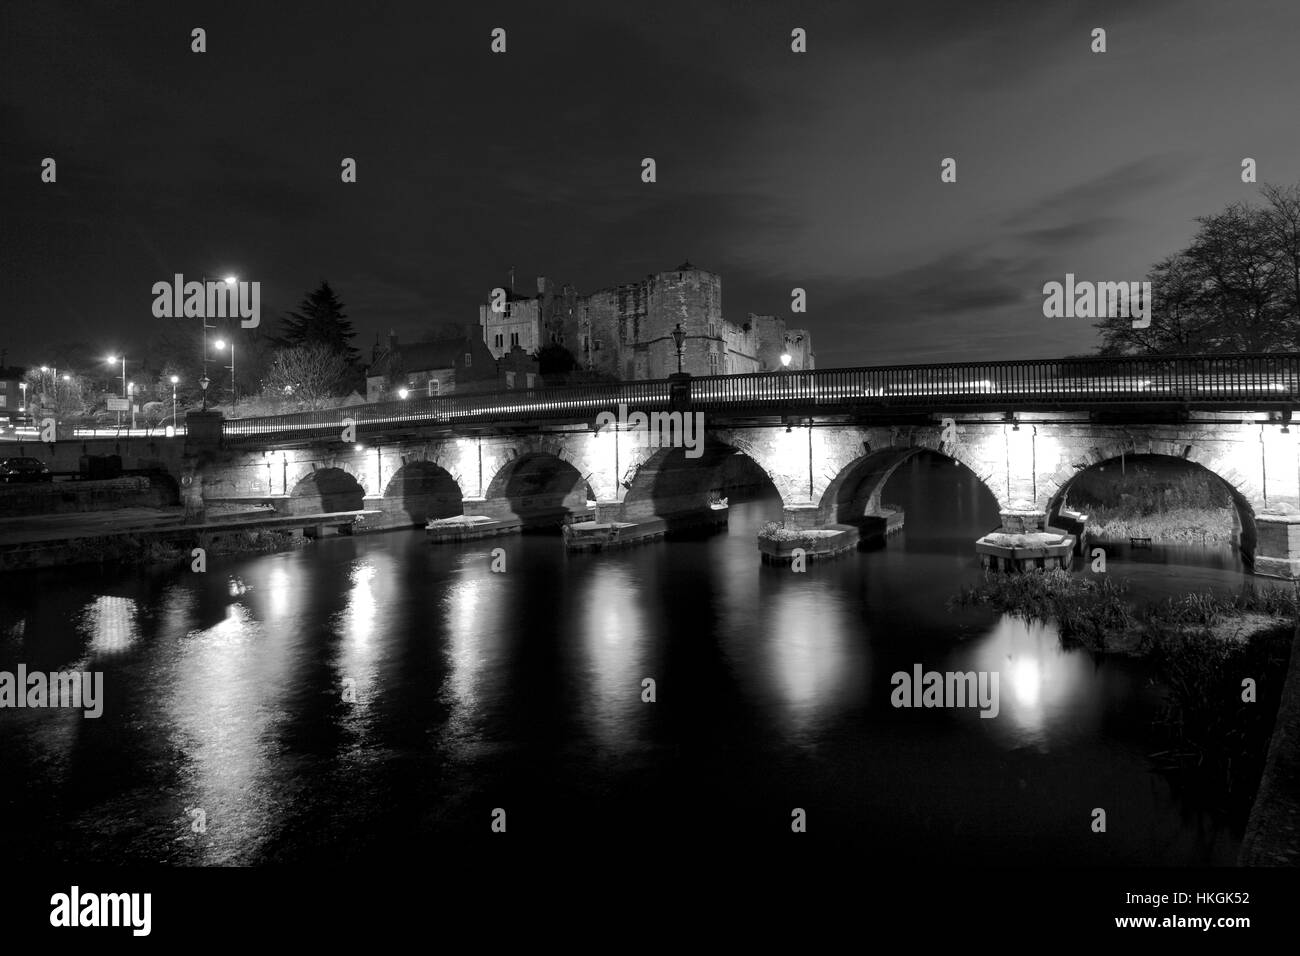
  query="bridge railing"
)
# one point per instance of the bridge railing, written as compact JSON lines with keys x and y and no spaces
{"x":579,"y":401}
{"x":1078,"y":382}
{"x":1042,"y":382}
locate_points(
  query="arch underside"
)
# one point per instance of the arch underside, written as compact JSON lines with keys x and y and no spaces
{"x":1243,"y":509}
{"x":669,"y":484}
{"x":420,"y":491}
{"x":539,"y":488}
{"x":326,"y":490}
{"x":854,"y":494}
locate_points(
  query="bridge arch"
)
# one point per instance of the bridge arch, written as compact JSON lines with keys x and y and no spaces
{"x":421,"y":490}
{"x":326,"y":490}
{"x":666,"y":482}
{"x":1240,"y":493}
{"x":854,"y":493}
{"x":540,"y":487}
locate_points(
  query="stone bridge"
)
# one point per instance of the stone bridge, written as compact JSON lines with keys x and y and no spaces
{"x":827,"y":441}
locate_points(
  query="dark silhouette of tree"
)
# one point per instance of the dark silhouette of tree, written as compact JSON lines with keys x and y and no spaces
{"x":312,"y":375}
{"x":1235,"y":288}
{"x":320,"y":320}
{"x":555,"y":360}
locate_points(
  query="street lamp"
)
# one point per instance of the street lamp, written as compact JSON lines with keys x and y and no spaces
{"x":220,"y":344}
{"x":203,"y":384}
{"x":402,"y":393}
{"x":785,"y":359}
{"x":175,"y":381}
{"x":228,"y":280}
{"x":679,"y":336}
{"x":130,"y":397}
{"x":112,"y":360}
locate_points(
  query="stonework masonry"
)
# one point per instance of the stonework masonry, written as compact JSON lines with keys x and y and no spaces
{"x":626,"y":331}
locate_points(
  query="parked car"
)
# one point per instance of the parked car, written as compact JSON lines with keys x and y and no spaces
{"x":24,"y":469}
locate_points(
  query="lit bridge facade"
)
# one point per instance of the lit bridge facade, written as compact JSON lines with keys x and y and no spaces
{"x":828,"y":440}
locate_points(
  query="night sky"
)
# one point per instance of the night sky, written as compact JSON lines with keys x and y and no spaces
{"x":775,"y":169}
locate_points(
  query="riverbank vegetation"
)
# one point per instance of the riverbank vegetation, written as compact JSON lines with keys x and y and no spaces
{"x":1151,"y":497}
{"x":148,"y":551}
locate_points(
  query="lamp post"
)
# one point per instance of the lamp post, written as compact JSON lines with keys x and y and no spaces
{"x":679,"y":336}
{"x":130,"y":397}
{"x":221,"y":344}
{"x":23,"y":386}
{"x":203,"y":384}
{"x":175,"y":381}
{"x":112,"y":360}
{"x":228,"y":280}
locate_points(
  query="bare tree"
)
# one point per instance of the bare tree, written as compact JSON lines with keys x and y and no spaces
{"x":1233,"y":289}
{"x":311,"y":376}
{"x":1283,"y":218}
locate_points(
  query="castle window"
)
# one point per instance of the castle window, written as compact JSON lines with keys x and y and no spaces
{"x":469,"y":359}
{"x":514,"y":339}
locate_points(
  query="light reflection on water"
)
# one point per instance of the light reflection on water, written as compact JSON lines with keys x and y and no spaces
{"x":226,"y":694}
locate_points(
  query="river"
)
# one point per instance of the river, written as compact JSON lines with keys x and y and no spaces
{"x":523,"y":690}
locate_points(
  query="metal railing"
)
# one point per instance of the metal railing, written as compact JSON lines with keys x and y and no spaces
{"x":575,"y":402}
{"x":1223,"y":381}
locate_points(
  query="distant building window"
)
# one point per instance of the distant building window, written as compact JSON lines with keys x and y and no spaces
{"x":433,"y":387}
{"x":500,"y":340}
{"x":514,"y":339}
{"x":469,"y":359}
{"x":713,"y":363}
{"x":510,"y":379}
{"x":596,"y":345}
{"x":532,"y":379}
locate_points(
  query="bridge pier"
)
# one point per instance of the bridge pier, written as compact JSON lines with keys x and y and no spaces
{"x":1277,"y":547}
{"x":1024,"y":542}
{"x":541,"y":511}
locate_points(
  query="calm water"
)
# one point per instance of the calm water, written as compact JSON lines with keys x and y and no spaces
{"x":522,"y":690}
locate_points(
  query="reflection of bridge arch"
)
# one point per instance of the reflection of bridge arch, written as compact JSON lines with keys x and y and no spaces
{"x":325,"y":490}
{"x":421,"y":490}
{"x":1240,"y":494}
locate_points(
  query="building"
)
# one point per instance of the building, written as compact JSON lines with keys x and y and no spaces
{"x":528,"y":322}
{"x":455,"y":366}
{"x":626,"y":331}
{"x":11,"y":391}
